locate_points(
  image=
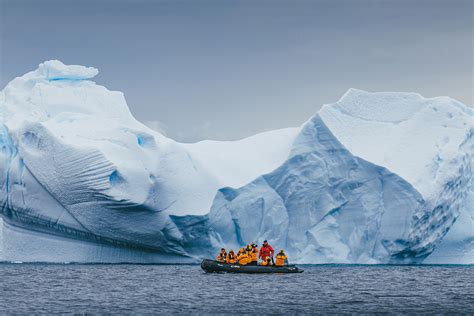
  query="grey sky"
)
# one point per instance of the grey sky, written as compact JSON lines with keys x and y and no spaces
{"x":226,"y":69}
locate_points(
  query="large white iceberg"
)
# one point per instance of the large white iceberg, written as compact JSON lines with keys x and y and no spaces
{"x":373,"y":178}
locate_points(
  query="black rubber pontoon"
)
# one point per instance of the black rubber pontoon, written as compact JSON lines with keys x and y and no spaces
{"x":211,"y":266}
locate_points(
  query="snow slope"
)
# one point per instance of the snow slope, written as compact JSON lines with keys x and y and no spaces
{"x":416,"y":138}
{"x":235,"y":163}
{"x":374,"y":177}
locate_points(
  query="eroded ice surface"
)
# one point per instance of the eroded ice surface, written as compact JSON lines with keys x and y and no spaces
{"x":375,"y":177}
{"x":428,"y":142}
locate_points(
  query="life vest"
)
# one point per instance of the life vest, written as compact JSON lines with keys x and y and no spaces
{"x":280,"y":259}
{"x":254,"y":255}
{"x":243,"y":258}
{"x":221,"y":257}
{"x":231,"y":258}
{"x":266,"y":262}
{"x":249,"y":257}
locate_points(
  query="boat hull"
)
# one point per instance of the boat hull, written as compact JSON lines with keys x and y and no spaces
{"x":213,"y":266}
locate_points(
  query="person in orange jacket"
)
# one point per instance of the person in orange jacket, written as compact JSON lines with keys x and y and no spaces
{"x":281,"y":258}
{"x":253,"y":254}
{"x":242,"y":257}
{"x":248,"y":252}
{"x":222,"y":256}
{"x":231,"y":257}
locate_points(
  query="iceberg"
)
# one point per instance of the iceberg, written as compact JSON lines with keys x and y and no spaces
{"x":77,"y":167}
{"x":428,"y":142}
{"x":372,"y":178}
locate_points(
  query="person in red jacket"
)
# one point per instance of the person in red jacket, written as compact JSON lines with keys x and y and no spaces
{"x":266,"y":251}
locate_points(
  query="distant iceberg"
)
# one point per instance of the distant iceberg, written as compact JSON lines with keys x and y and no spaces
{"x":372,"y":178}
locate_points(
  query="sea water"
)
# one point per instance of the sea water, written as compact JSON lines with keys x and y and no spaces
{"x":178,"y":289}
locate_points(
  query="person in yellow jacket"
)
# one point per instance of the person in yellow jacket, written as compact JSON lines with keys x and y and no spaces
{"x":248,"y":251}
{"x":266,"y":262}
{"x":231,"y":257}
{"x":222,"y":256}
{"x":242,"y":257}
{"x":254,"y":255}
{"x":281,"y":258}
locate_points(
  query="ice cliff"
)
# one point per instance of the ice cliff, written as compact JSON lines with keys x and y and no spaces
{"x":372,"y":178}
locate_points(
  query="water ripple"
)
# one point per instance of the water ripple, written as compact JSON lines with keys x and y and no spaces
{"x":158,"y":289}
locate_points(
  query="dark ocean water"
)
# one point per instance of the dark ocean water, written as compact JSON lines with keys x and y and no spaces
{"x":145,"y":289}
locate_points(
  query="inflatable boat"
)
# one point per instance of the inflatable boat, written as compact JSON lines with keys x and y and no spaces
{"x":211,"y":266}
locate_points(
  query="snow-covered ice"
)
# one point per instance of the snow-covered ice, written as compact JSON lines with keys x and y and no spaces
{"x":74,"y":159}
{"x":372,"y":178}
{"x":322,"y":205}
{"x":428,"y":142}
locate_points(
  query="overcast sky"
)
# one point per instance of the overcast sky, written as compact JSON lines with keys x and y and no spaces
{"x":228,"y":69}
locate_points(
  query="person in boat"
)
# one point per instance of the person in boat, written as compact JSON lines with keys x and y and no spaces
{"x":231,"y":257}
{"x":254,"y":254}
{"x":281,"y":259}
{"x":266,"y":262}
{"x":266,"y":251}
{"x":242,"y":257}
{"x":248,"y":251}
{"x":222,"y":256}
